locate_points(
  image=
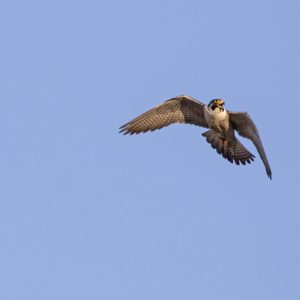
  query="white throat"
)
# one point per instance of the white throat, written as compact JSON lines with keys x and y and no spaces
{"x":214,"y":116}
{"x":216,"y":111}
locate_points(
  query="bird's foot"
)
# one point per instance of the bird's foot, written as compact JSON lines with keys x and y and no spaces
{"x":225,"y":149}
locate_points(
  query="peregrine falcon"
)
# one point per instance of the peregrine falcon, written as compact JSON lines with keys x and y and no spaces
{"x":222,"y":125}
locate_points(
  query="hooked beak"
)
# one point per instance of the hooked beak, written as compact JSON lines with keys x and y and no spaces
{"x":220,"y":103}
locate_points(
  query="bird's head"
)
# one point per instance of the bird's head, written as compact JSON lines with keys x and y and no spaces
{"x":216,"y":103}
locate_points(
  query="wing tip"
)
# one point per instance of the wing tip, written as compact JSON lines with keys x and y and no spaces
{"x":125,"y":129}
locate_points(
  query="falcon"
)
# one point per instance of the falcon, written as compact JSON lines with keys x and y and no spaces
{"x":222,"y":125}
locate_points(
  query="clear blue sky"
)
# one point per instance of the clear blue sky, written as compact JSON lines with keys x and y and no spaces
{"x":86,"y":213}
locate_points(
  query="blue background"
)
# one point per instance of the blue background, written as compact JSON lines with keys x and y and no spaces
{"x":87,"y":213}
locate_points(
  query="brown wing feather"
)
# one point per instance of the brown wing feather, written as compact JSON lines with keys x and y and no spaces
{"x":244,"y":125}
{"x":181,"y":109}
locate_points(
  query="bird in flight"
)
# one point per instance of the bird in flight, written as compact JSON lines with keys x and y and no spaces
{"x":222,"y":125}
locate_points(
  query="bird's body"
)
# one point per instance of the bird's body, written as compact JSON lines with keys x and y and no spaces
{"x":222,"y":125}
{"x":218,"y":120}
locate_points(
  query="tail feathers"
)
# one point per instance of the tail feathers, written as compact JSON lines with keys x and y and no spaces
{"x":233,"y":152}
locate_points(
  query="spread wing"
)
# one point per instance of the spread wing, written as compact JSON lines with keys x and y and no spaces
{"x":244,"y":125}
{"x":181,"y":109}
